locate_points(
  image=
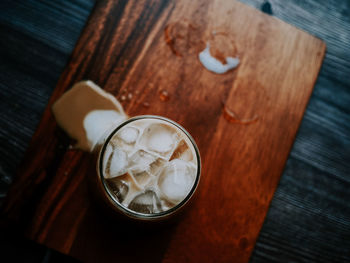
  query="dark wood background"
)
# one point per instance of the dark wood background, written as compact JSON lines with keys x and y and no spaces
{"x":309,"y":216}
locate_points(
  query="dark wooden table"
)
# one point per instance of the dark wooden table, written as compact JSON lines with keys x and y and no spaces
{"x":309,"y":216}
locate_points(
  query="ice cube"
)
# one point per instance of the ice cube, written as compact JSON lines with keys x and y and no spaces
{"x":140,"y":161}
{"x":166,"y":204}
{"x":159,"y":138}
{"x":176,"y":180}
{"x":117,"y":164}
{"x":129,"y":135}
{"x":133,"y":188}
{"x":182,"y":152}
{"x":156,"y":166}
{"x":107,"y":158}
{"x":118,"y":187}
{"x":147,"y":203}
{"x":142,"y":178}
{"x":125,"y":138}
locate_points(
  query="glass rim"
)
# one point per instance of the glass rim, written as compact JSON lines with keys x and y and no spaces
{"x":129,"y":212}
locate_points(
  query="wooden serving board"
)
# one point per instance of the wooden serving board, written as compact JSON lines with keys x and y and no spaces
{"x":146,"y":48}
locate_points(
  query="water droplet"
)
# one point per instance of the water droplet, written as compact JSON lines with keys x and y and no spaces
{"x":145,"y":104}
{"x":164,"y":95}
{"x":123,"y":97}
{"x":130,"y":96}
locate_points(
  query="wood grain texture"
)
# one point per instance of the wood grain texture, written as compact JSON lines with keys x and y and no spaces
{"x":309,"y":216}
{"x":123,"y":49}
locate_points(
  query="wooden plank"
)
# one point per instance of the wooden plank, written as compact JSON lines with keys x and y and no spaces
{"x":123,"y":49}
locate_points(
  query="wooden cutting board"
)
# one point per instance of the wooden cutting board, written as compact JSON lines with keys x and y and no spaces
{"x":244,"y":122}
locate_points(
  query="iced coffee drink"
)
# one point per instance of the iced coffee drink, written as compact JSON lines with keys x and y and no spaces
{"x":149,"y":166}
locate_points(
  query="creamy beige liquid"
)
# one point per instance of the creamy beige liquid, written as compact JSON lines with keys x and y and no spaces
{"x":150,"y":165}
{"x":86,"y":112}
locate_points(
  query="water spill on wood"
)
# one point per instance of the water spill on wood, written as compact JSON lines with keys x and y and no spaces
{"x":186,"y":39}
{"x":231,"y":117}
{"x":247,"y":103}
{"x":182,"y":38}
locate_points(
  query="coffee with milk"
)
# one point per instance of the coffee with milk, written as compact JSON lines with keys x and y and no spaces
{"x":149,"y":165}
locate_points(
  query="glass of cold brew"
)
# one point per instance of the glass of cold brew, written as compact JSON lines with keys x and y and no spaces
{"x":148,"y":168}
